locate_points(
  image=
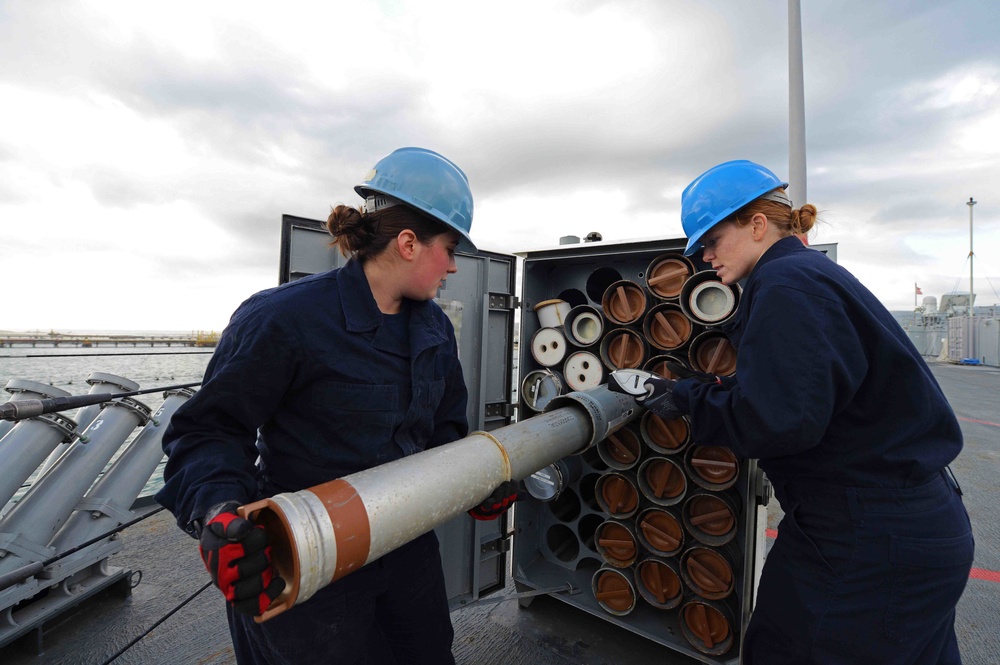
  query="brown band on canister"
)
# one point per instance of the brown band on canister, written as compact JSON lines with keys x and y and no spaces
{"x":350,"y":524}
{"x":503,"y":452}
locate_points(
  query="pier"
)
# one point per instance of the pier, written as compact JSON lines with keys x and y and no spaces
{"x":54,"y":339}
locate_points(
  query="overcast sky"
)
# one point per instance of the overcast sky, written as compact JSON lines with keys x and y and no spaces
{"x":148,"y":150}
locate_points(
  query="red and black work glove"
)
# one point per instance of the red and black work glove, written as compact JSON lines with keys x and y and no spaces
{"x":238,"y":558}
{"x":499,"y":502}
{"x":683,"y":372}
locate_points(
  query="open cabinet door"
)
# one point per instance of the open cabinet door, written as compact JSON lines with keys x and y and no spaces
{"x":480,"y":301}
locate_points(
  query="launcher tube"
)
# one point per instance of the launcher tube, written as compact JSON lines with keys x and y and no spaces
{"x":119,"y":487}
{"x":29,"y":526}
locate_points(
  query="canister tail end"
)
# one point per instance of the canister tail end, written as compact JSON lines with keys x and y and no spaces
{"x":267,"y":514}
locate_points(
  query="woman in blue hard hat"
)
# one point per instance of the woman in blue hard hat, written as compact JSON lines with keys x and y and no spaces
{"x":853,"y":431}
{"x":320,"y":378}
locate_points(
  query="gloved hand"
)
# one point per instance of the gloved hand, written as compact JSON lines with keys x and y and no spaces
{"x":238,"y":558}
{"x":686,"y":373}
{"x":649,"y":390}
{"x":499,"y":502}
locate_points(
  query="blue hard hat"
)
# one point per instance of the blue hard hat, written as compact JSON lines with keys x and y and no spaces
{"x":425,"y":181}
{"x":719,"y":192}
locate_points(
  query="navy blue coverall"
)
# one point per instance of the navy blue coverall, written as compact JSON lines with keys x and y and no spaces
{"x":312,"y":378}
{"x":854,"y":433}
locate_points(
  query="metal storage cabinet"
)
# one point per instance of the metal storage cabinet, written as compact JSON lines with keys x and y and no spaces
{"x":554,"y":543}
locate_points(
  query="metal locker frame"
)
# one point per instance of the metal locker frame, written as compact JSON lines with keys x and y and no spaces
{"x":480,"y":300}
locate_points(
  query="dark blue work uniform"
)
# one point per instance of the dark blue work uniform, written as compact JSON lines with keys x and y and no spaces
{"x":854,"y":433}
{"x":316,"y":381}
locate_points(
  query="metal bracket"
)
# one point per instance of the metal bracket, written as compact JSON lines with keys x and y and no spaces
{"x":499,"y":410}
{"x":107,"y":507}
{"x":499,"y":544}
{"x":18,"y":545}
{"x":762,"y":489}
{"x":566,"y":588}
{"x":504,"y":301}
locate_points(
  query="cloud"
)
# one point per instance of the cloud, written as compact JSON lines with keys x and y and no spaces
{"x":165,"y":141}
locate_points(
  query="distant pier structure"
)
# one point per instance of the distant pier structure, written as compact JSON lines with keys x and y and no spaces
{"x":54,"y":339}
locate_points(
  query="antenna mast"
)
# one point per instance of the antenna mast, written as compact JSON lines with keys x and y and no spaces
{"x":796,"y":108}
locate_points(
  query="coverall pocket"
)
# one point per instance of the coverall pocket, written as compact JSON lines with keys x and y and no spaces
{"x":928,"y":577}
{"x":362,"y":415}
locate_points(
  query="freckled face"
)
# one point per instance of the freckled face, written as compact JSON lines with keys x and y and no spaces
{"x":431,"y":266}
{"x":731,"y":251}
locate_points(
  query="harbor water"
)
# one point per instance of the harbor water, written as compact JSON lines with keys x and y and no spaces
{"x":68,"y":368}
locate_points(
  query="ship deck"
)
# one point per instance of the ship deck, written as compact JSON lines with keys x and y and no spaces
{"x":495,"y":630}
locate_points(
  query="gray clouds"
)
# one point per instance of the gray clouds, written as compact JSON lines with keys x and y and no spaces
{"x":180,"y":134}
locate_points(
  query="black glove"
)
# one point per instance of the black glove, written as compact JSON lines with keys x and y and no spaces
{"x":684,"y":372}
{"x":649,"y":390}
{"x":499,"y":502}
{"x":238,"y":558}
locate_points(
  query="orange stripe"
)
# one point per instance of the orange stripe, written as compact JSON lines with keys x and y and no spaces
{"x":981,"y":422}
{"x":350,"y":524}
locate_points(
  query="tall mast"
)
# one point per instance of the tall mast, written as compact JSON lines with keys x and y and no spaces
{"x":796,"y":109}
{"x":971,"y":203}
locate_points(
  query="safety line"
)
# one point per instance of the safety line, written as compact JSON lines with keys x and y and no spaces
{"x":974,"y":574}
{"x":162,"y":619}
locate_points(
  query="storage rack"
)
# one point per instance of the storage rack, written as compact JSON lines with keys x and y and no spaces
{"x":556,"y":544}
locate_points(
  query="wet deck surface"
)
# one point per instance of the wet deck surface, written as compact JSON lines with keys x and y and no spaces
{"x":548,"y":631}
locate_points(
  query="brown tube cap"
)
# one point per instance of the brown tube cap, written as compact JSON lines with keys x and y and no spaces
{"x":664,"y":479}
{"x":662,"y":531}
{"x":667,"y":328}
{"x":665,"y":436}
{"x":713,"y":467}
{"x":711,"y":352}
{"x":624,"y":302}
{"x":661,"y":582}
{"x":708,"y":573}
{"x":666,"y":277}
{"x":706,"y":628}
{"x":617,"y":544}
{"x":617,"y":495}
{"x":623,"y":349}
{"x":710,"y":519}
{"x":614,"y":592}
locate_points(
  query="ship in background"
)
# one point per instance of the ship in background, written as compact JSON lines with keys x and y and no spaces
{"x":947,"y":332}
